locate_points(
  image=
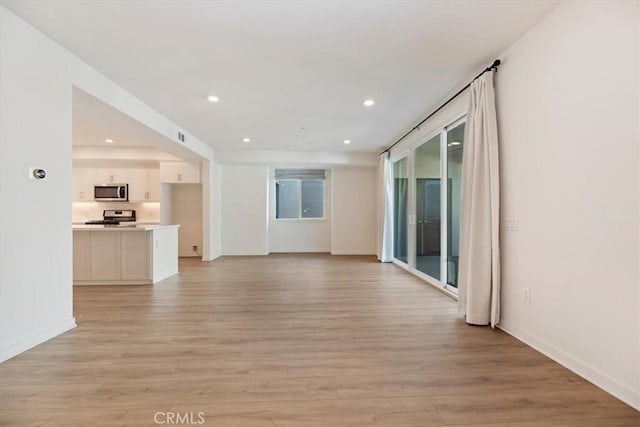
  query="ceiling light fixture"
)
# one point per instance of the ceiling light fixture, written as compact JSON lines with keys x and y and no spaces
{"x":246,"y":140}
{"x":213,"y":98}
{"x":109,"y":141}
{"x":368,"y":102}
{"x":346,"y":141}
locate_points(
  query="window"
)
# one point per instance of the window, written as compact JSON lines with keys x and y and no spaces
{"x":299,"y":193}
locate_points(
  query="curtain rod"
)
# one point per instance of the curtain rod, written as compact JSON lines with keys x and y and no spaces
{"x":493,"y":66}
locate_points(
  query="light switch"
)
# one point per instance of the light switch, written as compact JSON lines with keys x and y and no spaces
{"x":37,"y":173}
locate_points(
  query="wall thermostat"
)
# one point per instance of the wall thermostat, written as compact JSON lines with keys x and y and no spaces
{"x":39,"y":173}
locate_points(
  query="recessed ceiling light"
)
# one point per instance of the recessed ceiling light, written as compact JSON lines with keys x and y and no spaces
{"x":368,"y":102}
{"x":346,"y":141}
{"x":246,"y":140}
{"x":109,"y":141}
{"x":213,"y":98}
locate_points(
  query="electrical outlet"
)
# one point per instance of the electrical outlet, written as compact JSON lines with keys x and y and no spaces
{"x":195,"y":248}
{"x":526,"y":295}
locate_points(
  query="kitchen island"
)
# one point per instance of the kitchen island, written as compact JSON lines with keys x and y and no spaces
{"x":124,"y":254}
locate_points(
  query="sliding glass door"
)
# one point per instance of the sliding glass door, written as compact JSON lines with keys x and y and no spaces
{"x":455,"y":145}
{"x":427,"y":196}
{"x":427,"y":186}
{"x":400,"y":210}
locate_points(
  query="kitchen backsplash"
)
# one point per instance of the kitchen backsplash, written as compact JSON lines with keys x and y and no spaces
{"x":145,"y":212}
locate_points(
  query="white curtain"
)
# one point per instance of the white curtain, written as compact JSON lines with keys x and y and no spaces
{"x":479,"y":270}
{"x":385,"y":209}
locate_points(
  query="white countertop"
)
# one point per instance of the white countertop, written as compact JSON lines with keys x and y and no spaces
{"x":121,"y":227}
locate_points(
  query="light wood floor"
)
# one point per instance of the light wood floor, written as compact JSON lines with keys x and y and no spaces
{"x":291,"y":340}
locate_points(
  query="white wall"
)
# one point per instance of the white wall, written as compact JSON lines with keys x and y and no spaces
{"x":35,"y":216}
{"x":36,"y":81}
{"x":297,"y":157}
{"x":145,"y":155}
{"x":299,"y":235}
{"x":569,"y":138}
{"x":567,"y":96}
{"x":354,"y":215}
{"x":248,"y":212}
{"x":187,"y":211}
{"x":244,"y":204}
{"x":211,"y":179}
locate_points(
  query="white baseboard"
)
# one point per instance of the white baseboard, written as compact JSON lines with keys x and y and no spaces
{"x":211,"y":256}
{"x":31,"y":341}
{"x":247,"y":253}
{"x":353,"y":252}
{"x":607,"y":383}
{"x":300,"y":251}
{"x":113,"y":282}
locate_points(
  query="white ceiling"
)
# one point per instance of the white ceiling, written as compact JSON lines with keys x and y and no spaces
{"x":282,"y":66}
{"x":95,"y":121}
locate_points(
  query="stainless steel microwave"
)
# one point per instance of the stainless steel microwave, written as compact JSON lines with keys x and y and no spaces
{"x":111,"y":192}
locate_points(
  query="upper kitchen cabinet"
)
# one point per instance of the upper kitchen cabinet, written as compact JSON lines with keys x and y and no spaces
{"x":137,"y":181}
{"x":153,"y":185}
{"x":144,"y":185}
{"x":111,"y":176}
{"x":179,"y":173}
{"x":83,"y":180}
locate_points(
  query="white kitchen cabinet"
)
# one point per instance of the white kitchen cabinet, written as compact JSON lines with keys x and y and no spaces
{"x":135,"y":256}
{"x":111,"y":257}
{"x":144,"y":185}
{"x":79,"y":187}
{"x":83,"y":180}
{"x":105,"y":256}
{"x":124,"y":256}
{"x":179,"y":173}
{"x":153,"y":185}
{"x":81,"y":247}
{"x":111,"y":176}
{"x":137,"y":181}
